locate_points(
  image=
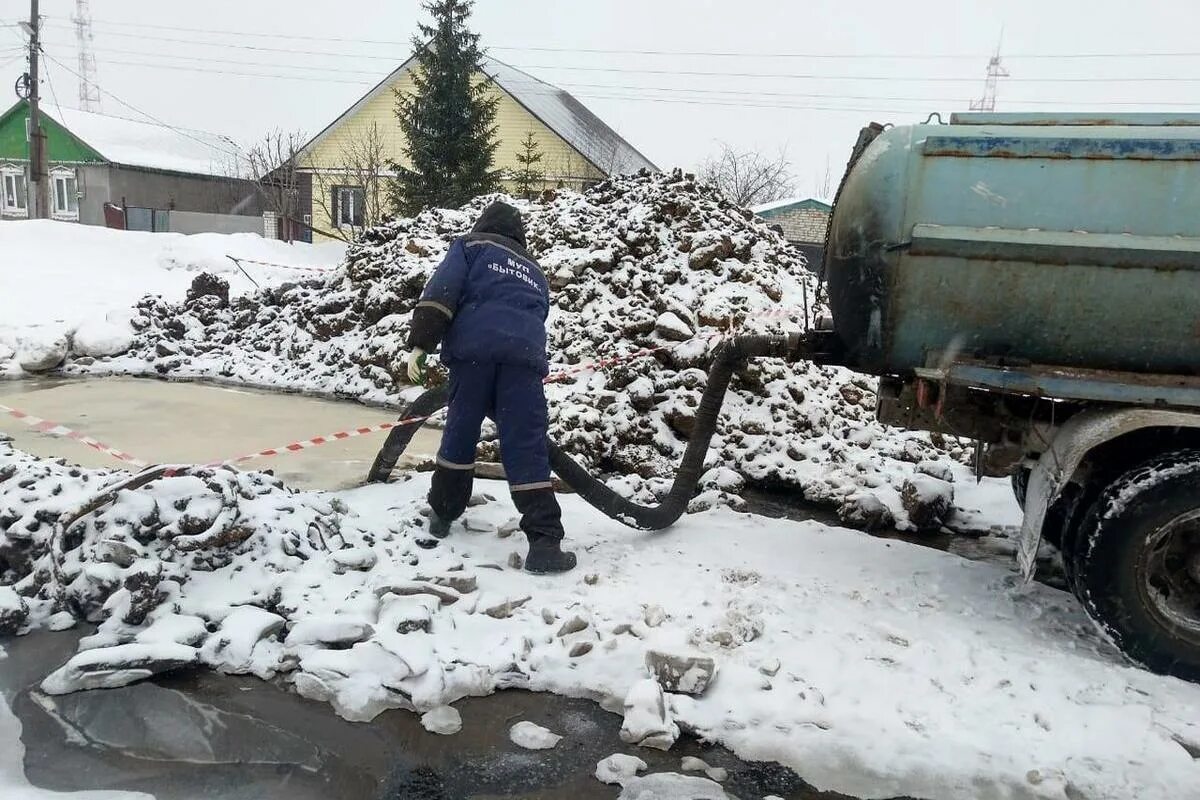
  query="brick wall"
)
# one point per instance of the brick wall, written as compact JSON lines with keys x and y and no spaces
{"x":802,"y":224}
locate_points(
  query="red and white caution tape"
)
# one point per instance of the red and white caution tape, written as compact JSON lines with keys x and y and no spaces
{"x":600,"y":363}
{"x":279,"y":266}
{"x":317,"y":441}
{"x":57,"y":429}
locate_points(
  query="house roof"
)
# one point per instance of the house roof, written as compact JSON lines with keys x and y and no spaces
{"x":790,"y":204}
{"x":146,"y":145}
{"x":556,"y":108}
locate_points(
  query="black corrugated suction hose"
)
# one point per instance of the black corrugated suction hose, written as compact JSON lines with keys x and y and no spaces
{"x":729,"y":356}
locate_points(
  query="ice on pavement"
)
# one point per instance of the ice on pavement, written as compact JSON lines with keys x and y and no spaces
{"x":619,"y":768}
{"x":671,"y":786}
{"x":154,"y":723}
{"x":443,"y":720}
{"x":693,"y":764}
{"x":648,"y":720}
{"x":532,"y":736}
{"x":14,"y":786}
{"x":901,"y":670}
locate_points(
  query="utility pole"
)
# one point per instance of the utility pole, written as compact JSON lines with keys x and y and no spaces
{"x":39,"y":172}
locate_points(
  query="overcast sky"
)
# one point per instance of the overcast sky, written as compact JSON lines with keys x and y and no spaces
{"x":307,"y":61}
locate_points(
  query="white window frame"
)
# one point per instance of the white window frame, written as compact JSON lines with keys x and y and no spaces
{"x":12,"y":174}
{"x":65,"y":213}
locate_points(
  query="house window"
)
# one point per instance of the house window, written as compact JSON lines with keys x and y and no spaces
{"x":14,"y":192}
{"x":66,"y":195}
{"x":348,"y":204}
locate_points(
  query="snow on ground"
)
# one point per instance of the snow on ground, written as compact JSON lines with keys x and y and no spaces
{"x":55,"y":276}
{"x":872,"y":667}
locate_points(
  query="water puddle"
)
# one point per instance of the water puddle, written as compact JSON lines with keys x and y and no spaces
{"x":201,"y":734}
{"x":162,"y":422}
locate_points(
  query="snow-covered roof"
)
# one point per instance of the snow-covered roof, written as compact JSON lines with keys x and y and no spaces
{"x":554,"y":107}
{"x":788,"y":202}
{"x":149,"y":146}
{"x":569,"y":118}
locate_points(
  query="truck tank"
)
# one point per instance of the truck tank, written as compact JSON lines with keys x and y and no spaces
{"x":1065,"y":240}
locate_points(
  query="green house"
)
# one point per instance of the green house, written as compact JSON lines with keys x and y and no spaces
{"x":124,"y":173}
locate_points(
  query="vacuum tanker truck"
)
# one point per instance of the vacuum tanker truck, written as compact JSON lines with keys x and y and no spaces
{"x":1032,"y":282}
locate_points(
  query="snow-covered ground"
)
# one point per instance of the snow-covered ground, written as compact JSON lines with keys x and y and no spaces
{"x":55,"y":276}
{"x":872,"y":667}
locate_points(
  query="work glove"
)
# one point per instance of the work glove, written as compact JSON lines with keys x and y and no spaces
{"x":417,"y":371}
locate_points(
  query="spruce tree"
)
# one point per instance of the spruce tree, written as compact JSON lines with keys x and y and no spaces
{"x":530,"y":175}
{"x":448,"y":120}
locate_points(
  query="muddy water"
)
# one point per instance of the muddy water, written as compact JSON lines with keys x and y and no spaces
{"x":199,"y":734}
{"x":161,"y":422}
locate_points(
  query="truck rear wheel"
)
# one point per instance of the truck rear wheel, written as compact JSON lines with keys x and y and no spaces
{"x":1138,"y":563}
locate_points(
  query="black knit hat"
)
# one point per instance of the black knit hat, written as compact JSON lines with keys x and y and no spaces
{"x":501,"y":219}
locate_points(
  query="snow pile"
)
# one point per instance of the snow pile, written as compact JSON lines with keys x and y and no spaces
{"x":345,"y":598}
{"x":57,"y":276}
{"x":644,"y":261}
{"x":101,"y":338}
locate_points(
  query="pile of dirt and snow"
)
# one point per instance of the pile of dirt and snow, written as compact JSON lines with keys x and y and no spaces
{"x":645,"y":262}
{"x":778,"y":639}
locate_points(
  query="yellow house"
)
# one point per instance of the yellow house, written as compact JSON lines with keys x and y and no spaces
{"x":342,"y":167}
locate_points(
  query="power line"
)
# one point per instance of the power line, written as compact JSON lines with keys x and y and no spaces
{"x":186,"y":68}
{"x":374,"y":74}
{"x":710,"y":74}
{"x":256,"y":48}
{"x":869,"y":78}
{"x":207,"y":59}
{"x":694,"y":73}
{"x":897,"y":78}
{"x":255,"y":35}
{"x":656,"y":52}
{"x":155,"y":120}
{"x":625,"y":88}
{"x":50,"y":81}
{"x":607,"y":92}
{"x":550,"y":90}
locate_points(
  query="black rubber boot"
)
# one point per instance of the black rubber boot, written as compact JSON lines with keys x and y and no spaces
{"x":546,"y":556}
{"x":541,"y":519}
{"x":449,"y":494}
{"x":438,"y":528}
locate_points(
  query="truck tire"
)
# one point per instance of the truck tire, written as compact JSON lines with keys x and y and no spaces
{"x":1138,"y":563}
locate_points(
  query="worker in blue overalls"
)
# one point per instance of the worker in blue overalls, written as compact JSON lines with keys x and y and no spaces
{"x":487,"y":305}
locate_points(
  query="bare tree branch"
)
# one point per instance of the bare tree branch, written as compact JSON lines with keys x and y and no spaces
{"x":749,"y":178}
{"x":362,"y":163}
{"x":823,"y":187}
{"x":274,"y":168}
